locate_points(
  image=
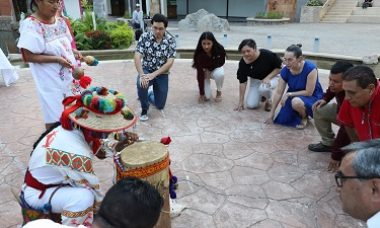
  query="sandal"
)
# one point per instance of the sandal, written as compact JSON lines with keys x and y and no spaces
{"x":202,"y":99}
{"x":218,"y":97}
{"x":303,"y":124}
{"x":268,"y":106}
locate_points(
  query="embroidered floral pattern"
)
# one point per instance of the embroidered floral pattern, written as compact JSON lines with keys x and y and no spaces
{"x":73,"y":161}
{"x":155,"y":54}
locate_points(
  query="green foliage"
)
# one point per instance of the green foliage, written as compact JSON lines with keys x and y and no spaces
{"x":107,"y":34}
{"x":269,"y":15}
{"x":314,"y":3}
{"x":86,"y":5}
{"x":121,"y":36}
{"x":99,"y":39}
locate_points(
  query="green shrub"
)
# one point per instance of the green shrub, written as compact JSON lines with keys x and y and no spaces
{"x":99,"y":39}
{"x":121,"y":36}
{"x":260,"y":15}
{"x":269,"y":15}
{"x":107,"y":34}
{"x":314,"y":3}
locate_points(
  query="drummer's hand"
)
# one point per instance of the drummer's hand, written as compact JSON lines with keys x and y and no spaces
{"x":130,"y":138}
{"x":101,"y":154}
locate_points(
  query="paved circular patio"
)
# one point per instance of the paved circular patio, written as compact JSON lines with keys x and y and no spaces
{"x":233,"y":170}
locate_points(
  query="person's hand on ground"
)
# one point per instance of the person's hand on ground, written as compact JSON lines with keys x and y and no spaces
{"x":333,"y":166}
{"x":239,"y":108}
{"x":318,"y":104}
{"x":269,"y":120}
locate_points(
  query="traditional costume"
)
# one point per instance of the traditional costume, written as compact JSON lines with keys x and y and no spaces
{"x":60,"y":177}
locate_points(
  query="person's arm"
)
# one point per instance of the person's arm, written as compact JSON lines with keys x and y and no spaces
{"x":201,"y":80}
{"x":328,"y":96}
{"x":137,"y":59}
{"x":276,"y":98}
{"x":41,"y":58}
{"x":352,"y":134}
{"x":242,"y":88}
{"x":310,"y":85}
{"x":271,"y":75}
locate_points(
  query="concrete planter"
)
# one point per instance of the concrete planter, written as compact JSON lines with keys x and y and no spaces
{"x":257,"y":21}
{"x":310,"y":14}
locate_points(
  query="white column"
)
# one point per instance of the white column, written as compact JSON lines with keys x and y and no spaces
{"x":147,"y":3}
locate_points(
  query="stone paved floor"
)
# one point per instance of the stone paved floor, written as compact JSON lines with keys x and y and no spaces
{"x":233,"y":170}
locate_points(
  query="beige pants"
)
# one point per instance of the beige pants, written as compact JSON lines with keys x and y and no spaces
{"x":324,"y":118}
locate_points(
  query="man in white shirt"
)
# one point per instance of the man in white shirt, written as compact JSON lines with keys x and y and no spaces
{"x":358,"y":181}
{"x":137,"y":17}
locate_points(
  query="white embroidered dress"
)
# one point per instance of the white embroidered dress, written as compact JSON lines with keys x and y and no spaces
{"x":53,"y":81}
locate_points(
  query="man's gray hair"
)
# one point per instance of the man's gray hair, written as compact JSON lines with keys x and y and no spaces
{"x":366,"y":162}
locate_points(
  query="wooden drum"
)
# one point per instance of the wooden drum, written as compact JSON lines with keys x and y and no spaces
{"x":148,"y":161}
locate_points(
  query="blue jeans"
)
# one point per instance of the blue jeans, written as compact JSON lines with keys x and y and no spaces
{"x":160,"y":92}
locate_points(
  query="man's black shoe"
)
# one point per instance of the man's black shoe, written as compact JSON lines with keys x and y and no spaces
{"x":319,"y":147}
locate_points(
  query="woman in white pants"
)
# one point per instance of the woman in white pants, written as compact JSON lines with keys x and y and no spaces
{"x":262,"y":67}
{"x":209,"y":58}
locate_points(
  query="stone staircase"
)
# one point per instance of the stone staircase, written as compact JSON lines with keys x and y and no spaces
{"x":350,"y":11}
{"x":368,"y":15}
{"x":340,"y":11}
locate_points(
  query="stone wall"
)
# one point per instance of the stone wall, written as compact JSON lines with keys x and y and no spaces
{"x":310,"y":14}
{"x":8,"y":34}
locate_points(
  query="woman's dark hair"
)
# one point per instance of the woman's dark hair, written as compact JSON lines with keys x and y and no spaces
{"x":296,"y":49}
{"x":33,"y":5}
{"x":160,"y":18}
{"x":44,"y":134}
{"x":247,"y":42}
{"x":216,"y":49}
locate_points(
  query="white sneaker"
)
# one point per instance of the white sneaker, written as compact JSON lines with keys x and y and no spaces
{"x":144,"y":118}
{"x":162,"y":113}
{"x":175,"y":208}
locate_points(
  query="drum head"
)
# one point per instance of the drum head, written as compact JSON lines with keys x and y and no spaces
{"x":141,"y":154}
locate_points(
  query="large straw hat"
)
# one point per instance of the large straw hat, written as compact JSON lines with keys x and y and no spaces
{"x":99,"y":109}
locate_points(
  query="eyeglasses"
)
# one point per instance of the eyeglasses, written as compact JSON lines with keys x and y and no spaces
{"x":52,"y":2}
{"x":339,"y":177}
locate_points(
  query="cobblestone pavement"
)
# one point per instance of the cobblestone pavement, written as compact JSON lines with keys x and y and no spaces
{"x":233,"y":170}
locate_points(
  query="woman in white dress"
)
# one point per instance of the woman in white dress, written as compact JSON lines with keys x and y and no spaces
{"x":7,"y":70}
{"x":45,"y":43}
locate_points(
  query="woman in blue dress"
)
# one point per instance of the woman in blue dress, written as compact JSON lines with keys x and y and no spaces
{"x":304,"y":89}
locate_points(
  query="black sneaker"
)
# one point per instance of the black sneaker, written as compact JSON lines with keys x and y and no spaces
{"x":319,"y":147}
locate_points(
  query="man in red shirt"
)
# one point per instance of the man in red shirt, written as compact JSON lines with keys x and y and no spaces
{"x":325,"y":113}
{"x":360,"y":111}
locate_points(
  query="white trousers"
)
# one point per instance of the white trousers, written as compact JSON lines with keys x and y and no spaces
{"x":218,"y":75}
{"x":257,"y":90}
{"x":75,"y":204}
